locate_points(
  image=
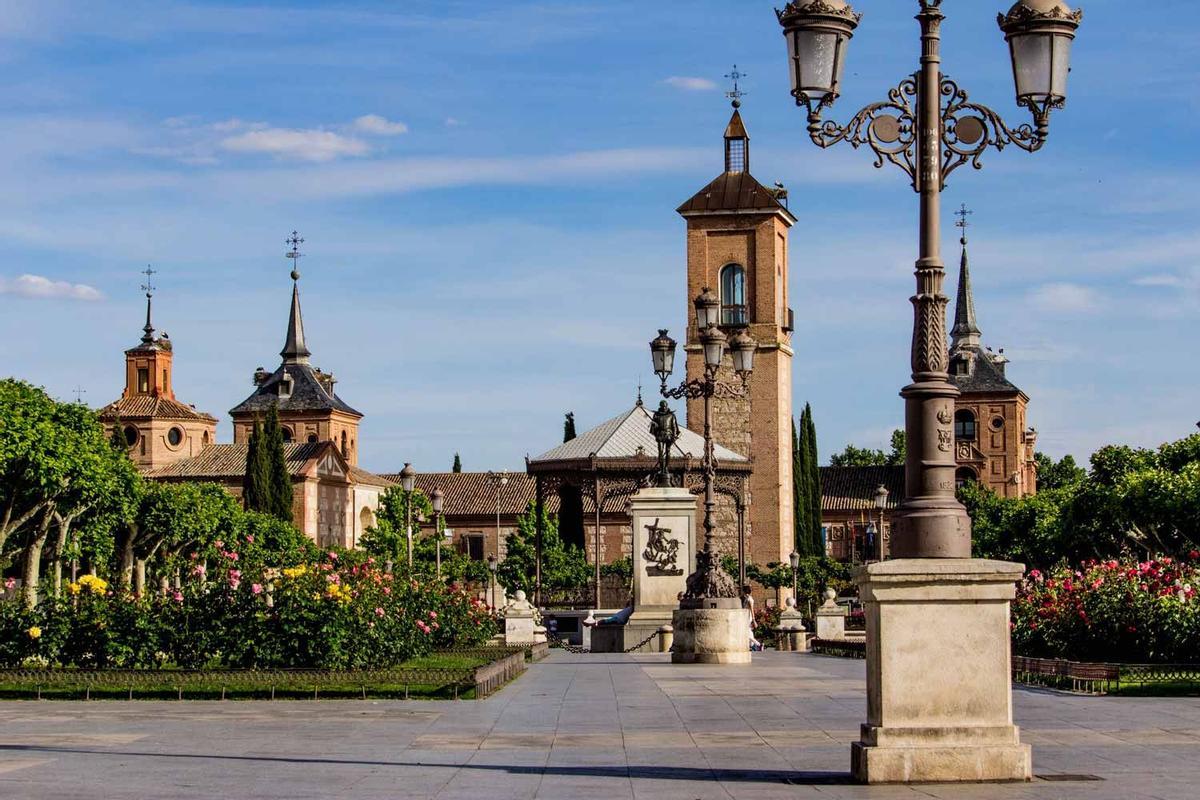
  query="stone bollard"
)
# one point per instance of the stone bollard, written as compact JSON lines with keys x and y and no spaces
{"x":791,"y":633}
{"x":666,"y":638}
{"x":831,"y":618}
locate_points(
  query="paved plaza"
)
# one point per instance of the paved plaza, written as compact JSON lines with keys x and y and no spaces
{"x":580,"y":727}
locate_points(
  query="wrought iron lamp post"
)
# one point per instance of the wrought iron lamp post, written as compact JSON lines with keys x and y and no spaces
{"x":499,"y":480}
{"x":436,"y":499}
{"x":493,"y":565}
{"x":408,"y":481}
{"x":928,"y":127}
{"x":881,"y":496}
{"x":794,"y":558}
{"x":709,"y":580}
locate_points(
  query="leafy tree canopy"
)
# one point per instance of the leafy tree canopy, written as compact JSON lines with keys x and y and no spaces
{"x":865,"y":457}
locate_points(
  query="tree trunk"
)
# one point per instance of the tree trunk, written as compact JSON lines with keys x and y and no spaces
{"x":139,"y":576}
{"x":60,"y":543}
{"x":126,"y":570}
{"x":33,"y":562}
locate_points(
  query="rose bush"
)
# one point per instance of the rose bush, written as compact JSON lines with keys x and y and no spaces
{"x":1110,"y":610}
{"x":339,"y":611}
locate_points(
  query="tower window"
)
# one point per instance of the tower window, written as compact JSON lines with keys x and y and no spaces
{"x":175,"y":437}
{"x":735,"y":155}
{"x":287,"y":434}
{"x":964,"y":425}
{"x":312,"y":438}
{"x":131,"y":435}
{"x":733,"y":295}
{"x":143,"y":378}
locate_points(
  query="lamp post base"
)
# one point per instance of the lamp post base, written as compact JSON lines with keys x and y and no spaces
{"x":939,"y":681}
{"x":930,"y":523}
{"x":717,"y":632}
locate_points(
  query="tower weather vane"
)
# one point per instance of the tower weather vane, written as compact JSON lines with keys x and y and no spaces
{"x":962,"y":214}
{"x":148,"y":287}
{"x":735,"y":94}
{"x":294,"y":254}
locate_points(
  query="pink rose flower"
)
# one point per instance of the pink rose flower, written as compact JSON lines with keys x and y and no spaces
{"x":177,"y":596}
{"x":379,"y":612}
{"x":250,"y":538}
{"x":220,"y":545}
{"x":256,"y":588}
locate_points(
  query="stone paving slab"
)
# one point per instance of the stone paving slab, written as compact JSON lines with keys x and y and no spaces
{"x":576,"y":727}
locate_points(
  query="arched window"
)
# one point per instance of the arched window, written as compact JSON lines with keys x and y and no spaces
{"x":287,"y":434}
{"x":345,"y":452}
{"x":366,"y":518}
{"x":963,"y":476}
{"x":964,"y":425}
{"x":733,"y":295}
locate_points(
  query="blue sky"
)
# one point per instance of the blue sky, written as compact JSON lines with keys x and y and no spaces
{"x":487,"y":191}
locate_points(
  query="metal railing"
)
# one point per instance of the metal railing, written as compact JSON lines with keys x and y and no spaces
{"x":1101,"y":677}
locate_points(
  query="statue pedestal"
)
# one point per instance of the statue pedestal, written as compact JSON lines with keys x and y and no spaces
{"x":664,"y":554}
{"x":831,"y":618}
{"x":939,"y":681}
{"x":521,"y":626}
{"x":791,"y":634}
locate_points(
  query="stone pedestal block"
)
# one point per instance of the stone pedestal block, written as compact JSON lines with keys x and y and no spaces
{"x":521,"y":626}
{"x":939,"y":686}
{"x":790,"y":634}
{"x":711,"y":635}
{"x":831,"y":618}
{"x":664,"y":551}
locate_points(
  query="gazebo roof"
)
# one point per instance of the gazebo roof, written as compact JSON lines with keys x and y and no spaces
{"x":627,"y":436}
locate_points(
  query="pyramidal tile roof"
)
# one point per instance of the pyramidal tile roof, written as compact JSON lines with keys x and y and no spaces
{"x":150,"y":407}
{"x":628,"y":436}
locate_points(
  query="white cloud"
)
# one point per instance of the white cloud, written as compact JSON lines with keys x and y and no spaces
{"x":38,"y":286}
{"x":453,"y":122}
{"x":376,"y":125}
{"x":1172,"y":281}
{"x":305,"y":145}
{"x":690,"y":84}
{"x":1065,"y":297}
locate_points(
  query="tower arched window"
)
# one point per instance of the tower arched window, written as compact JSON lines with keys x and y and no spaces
{"x":345,"y":450}
{"x":963,"y":476}
{"x":964,"y":425}
{"x":733,"y":296}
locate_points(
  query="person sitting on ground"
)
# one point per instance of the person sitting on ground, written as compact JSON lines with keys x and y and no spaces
{"x":619,"y":618}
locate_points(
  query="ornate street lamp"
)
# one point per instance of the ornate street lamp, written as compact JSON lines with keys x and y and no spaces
{"x":408,"y":481}
{"x":709,"y":586}
{"x":928,"y":127}
{"x":881,"y":496}
{"x":493,"y":565}
{"x":499,"y":480}
{"x":794,"y":558}
{"x":436,"y":499}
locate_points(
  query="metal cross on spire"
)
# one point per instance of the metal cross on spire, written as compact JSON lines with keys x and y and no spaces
{"x":79,"y":392}
{"x":735,"y":94}
{"x":148,"y":287}
{"x":294,"y":254}
{"x":962,"y":215}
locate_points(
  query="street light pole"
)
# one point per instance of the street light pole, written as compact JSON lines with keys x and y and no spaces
{"x":437,"y":499}
{"x":499,"y":480}
{"x":709,"y":580}
{"x":943,"y":132}
{"x":408,"y":481}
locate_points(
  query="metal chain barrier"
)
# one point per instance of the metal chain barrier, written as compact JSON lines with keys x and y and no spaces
{"x":558,"y":641}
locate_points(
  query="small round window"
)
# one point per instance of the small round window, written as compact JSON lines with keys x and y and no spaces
{"x":312,"y":438}
{"x":131,"y":435}
{"x":997,"y":423}
{"x":174,"y":437}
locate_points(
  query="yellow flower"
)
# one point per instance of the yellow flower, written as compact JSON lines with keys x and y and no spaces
{"x":94,"y":584}
{"x":35,"y":632}
{"x":73,"y":588}
{"x":295,"y":572}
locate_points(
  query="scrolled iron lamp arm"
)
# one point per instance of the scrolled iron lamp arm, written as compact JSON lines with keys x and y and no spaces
{"x":891,"y":129}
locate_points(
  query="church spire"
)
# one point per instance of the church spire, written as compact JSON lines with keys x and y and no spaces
{"x":294,"y":350}
{"x":737,"y":140}
{"x":148,"y":288}
{"x":965,"y":332}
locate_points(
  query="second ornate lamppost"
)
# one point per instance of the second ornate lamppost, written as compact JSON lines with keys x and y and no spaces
{"x":408,"y":481}
{"x":436,"y":499}
{"x":709,"y":581}
{"x":928,"y":127}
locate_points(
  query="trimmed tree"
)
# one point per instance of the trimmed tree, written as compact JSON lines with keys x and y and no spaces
{"x":569,"y":427}
{"x":814,"y":483}
{"x":457,"y":464}
{"x":279,"y":480}
{"x":255,"y":488}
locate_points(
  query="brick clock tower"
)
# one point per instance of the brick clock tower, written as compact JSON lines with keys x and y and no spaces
{"x":737,"y":245}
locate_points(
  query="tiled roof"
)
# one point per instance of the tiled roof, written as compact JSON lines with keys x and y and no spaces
{"x":853,"y":488}
{"x":369,"y":478}
{"x":628,"y":436}
{"x":734,"y":191}
{"x":150,"y":407}
{"x":474,"y":494}
{"x":986,"y":376}
{"x":223,"y":461}
{"x":307,"y":394}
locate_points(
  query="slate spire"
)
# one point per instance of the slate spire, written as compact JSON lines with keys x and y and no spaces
{"x":148,"y":288}
{"x":965,"y":333}
{"x":294,"y":350}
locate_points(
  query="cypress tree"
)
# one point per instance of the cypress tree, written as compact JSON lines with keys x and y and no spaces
{"x":457,"y":464}
{"x":278,"y":479}
{"x":569,"y":427}
{"x":253,"y":497}
{"x":814,"y":483}
{"x":117,"y":440}
{"x":800,"y":490}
